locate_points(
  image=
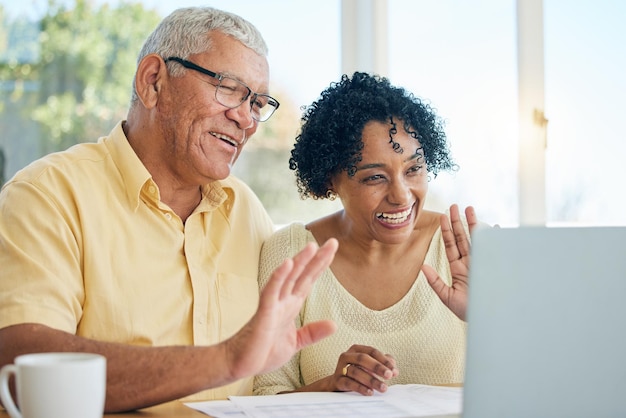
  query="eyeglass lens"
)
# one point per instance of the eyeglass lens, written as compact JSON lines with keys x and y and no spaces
{"x":231,"y":93}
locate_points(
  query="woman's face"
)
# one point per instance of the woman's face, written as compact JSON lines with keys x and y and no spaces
{"x":383,"y":199}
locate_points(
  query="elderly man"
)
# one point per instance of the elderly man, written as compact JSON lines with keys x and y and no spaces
{"x":143,"y":248}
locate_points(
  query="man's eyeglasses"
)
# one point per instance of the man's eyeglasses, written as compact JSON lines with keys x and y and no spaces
{"x":232,"y":93}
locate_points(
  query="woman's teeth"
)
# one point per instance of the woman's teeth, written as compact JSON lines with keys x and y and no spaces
{"x":394,"y":218}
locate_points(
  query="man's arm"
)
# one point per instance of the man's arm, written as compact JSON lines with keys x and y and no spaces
{"x":138,"y":377}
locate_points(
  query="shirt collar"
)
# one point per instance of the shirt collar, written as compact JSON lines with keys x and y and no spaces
{"x":136,"y":177}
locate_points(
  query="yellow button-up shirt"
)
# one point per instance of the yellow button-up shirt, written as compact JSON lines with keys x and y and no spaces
{"x":86,"y":246}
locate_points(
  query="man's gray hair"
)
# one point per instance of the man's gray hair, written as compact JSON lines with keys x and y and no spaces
{"x":185,"y":32}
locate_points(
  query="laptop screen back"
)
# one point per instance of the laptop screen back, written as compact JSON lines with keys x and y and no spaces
{"x":547,"y":323}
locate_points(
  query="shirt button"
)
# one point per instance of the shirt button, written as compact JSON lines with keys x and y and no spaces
{"x":152,"y":189}
{"x":168,"y":216}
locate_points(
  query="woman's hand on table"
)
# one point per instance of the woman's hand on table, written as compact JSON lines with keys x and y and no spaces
{"x":362,"y":369}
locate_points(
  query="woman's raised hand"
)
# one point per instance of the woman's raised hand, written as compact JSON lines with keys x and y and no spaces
{"x":458,"y":252}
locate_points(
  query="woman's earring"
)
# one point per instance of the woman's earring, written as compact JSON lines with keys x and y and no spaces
{"x":331,"y":195}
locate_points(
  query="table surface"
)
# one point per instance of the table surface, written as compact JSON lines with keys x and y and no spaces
{"x":170,"y":409}
{"x":179,"y":410}
{"x":174,"y":409}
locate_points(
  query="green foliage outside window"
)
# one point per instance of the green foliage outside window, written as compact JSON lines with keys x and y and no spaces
{"x":67,"y":79}
{"x":82,"y":71}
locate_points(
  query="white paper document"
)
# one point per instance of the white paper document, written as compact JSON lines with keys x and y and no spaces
{"x":400,"y":401}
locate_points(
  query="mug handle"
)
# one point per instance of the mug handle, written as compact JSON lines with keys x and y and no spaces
{"x":5,"y":393}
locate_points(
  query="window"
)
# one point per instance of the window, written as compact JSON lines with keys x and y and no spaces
{"x":461,"y":56}
{"x":585,"y":90}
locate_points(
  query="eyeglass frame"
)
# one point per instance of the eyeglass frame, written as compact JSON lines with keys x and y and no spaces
{"x":272,"y":102}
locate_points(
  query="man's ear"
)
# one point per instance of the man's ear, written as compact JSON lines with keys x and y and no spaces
{"x":149,"y":79}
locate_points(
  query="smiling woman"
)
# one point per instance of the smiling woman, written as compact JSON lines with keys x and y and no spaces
{"x":375,"y":146}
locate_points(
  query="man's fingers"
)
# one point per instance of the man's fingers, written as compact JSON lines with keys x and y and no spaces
{"x":313,"y":332}
{"x":314,"y":267}
{"x":299,"y":263}
{"x":275,"y":284}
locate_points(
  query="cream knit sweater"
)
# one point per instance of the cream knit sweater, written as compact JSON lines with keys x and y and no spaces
{"x":425,"y":338}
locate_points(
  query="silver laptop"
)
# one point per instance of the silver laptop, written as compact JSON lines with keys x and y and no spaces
{"x":547,"y":323}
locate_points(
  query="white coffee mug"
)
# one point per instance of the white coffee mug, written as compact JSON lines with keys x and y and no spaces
{"x":55,"y":385}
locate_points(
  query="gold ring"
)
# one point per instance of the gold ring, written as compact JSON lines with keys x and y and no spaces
{"x":344,"y":372}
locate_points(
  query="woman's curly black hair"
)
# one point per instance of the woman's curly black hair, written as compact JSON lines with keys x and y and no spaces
{"x":332,"y":127}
